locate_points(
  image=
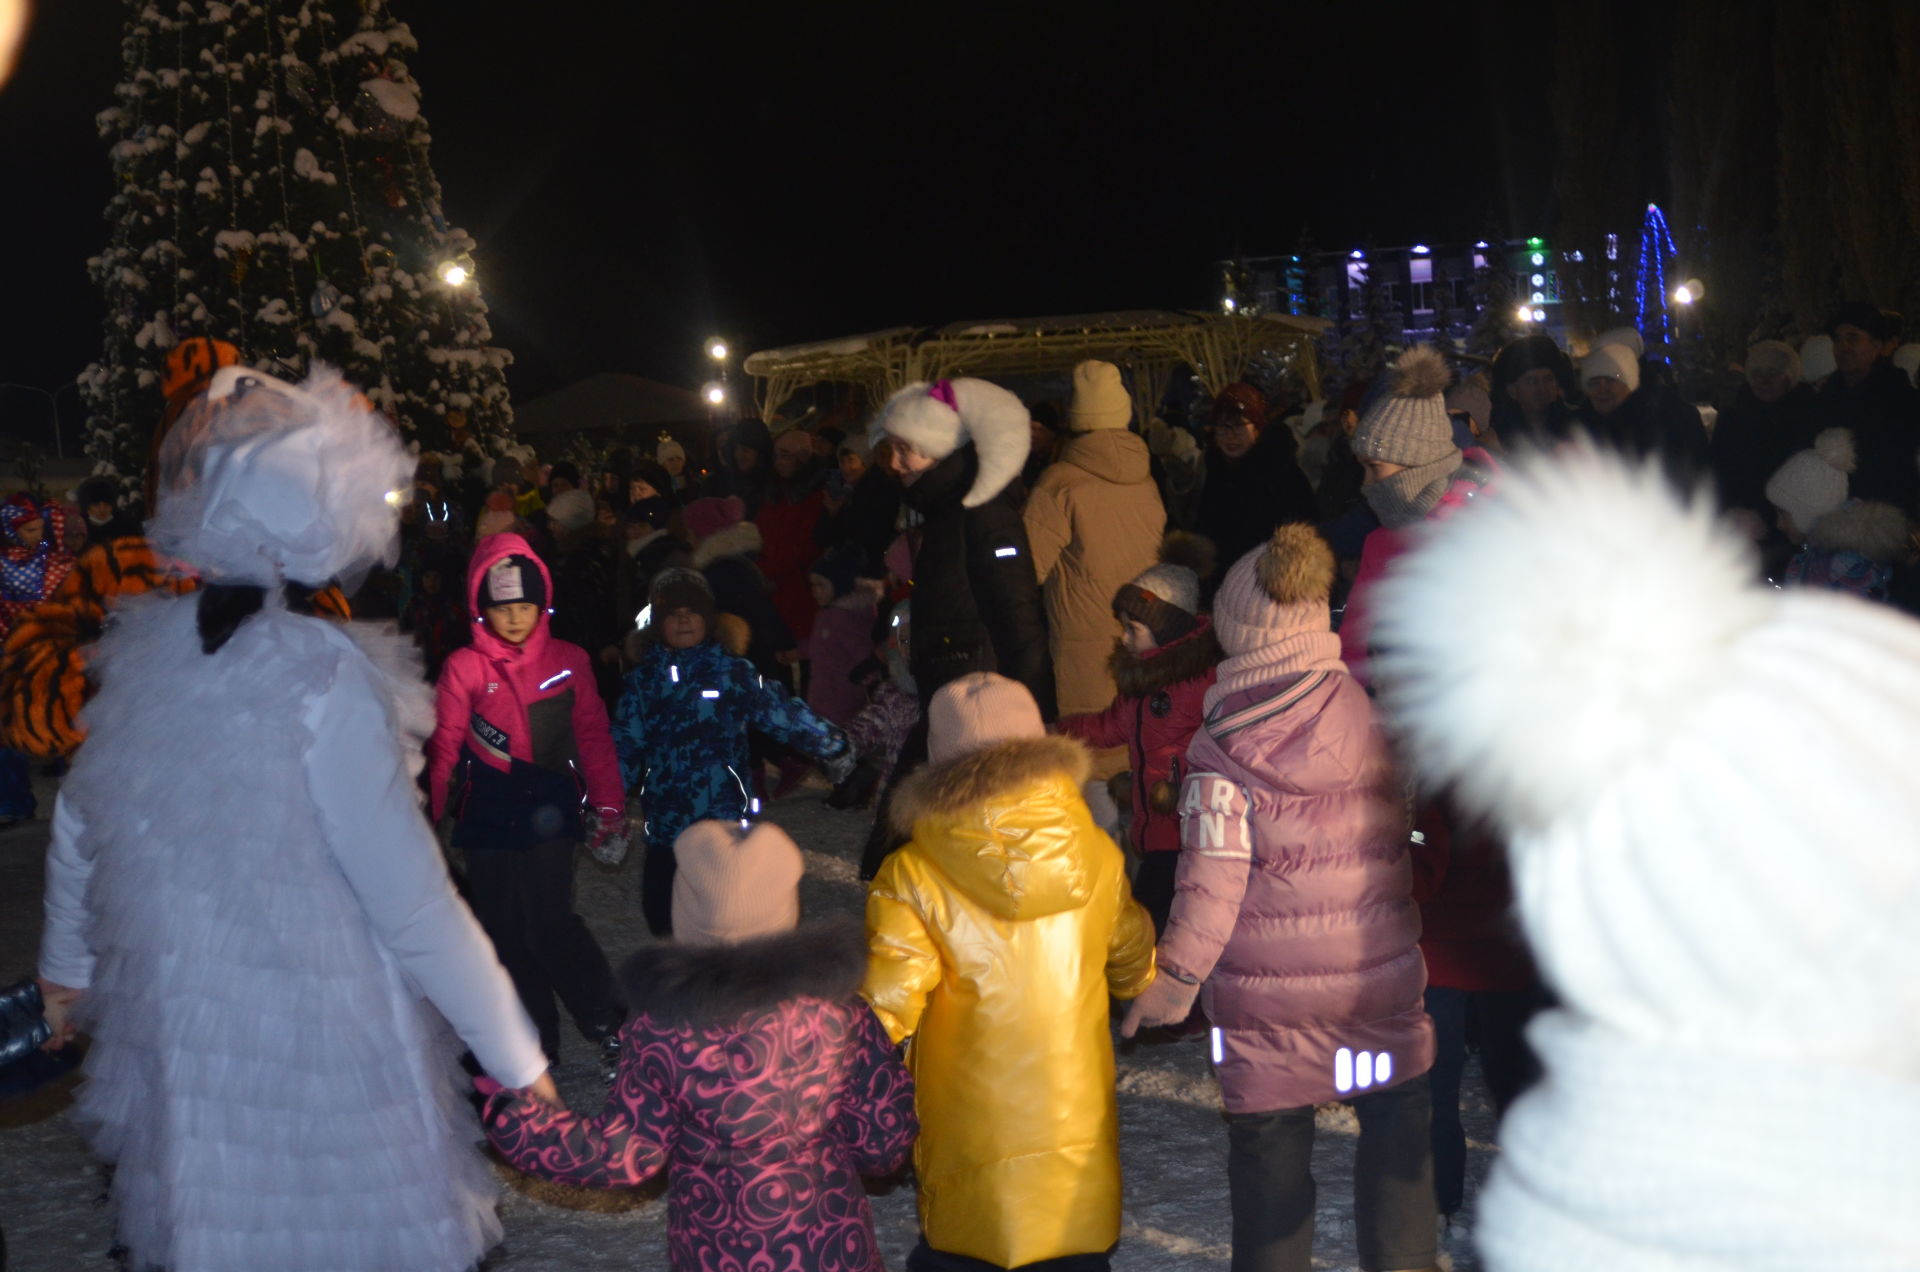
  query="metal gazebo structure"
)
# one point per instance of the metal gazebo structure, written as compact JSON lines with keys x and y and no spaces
{"x":1146,"y":344}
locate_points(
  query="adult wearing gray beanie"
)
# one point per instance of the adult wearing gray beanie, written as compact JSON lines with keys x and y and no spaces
{"x":1413,"y":472}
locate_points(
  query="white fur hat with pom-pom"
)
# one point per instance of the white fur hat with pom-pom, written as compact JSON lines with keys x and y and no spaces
{"x":1705,"y":785}
{"x":1709,"y":807}
{"x":1814,"y":482}
{"x":937,"y":419}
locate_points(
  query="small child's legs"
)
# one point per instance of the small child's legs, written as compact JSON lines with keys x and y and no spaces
{"x":1270,"y":1182}
{"x":656,"y":885}
{"x":523,"y":898}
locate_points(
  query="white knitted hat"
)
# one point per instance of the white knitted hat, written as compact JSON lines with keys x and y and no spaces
{"x":1706,"y":787}
{"x":1774,"y":355}
{"x":1814,"y":482}
{"x":1626,"y":338}
{"x":668,"y":449}
{"x":1611,"y":362}
{"x":1816,"y":358}
{"x":937,"y":419}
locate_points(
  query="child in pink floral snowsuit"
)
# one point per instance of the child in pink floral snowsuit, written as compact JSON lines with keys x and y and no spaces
{"x":750,"y":1064}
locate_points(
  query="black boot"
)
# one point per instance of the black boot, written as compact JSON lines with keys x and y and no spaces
{"x":857,"y":790}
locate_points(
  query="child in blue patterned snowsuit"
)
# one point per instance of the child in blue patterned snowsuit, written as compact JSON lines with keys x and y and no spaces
{"x":682,"y":725}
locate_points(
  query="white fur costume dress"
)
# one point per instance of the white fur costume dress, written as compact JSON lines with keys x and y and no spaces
{"x":1707,"y":785}
{"x":242,"y":878}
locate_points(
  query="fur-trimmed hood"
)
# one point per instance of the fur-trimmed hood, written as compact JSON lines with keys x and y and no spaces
{"x":1189,"y":658}
{"x":1006,"y":824}
{"x":698,"y":985}
{"x":1877,"y":531}
{"x":740,"y":539}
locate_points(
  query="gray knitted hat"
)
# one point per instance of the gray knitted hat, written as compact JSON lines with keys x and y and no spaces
{"x":1409,"y":426}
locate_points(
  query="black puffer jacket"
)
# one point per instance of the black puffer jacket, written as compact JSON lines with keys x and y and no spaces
{"x":1753,"y":438}
{"x":1654,"y":423}
{"x":1883,"y":410}
{"x":976,"y":602}
{"x":1245,"y":498}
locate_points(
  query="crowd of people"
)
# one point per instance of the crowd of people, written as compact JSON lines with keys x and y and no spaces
{"x":1131,"y":702}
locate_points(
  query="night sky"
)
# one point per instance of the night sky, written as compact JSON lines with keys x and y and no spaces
{"x":640,"y":175}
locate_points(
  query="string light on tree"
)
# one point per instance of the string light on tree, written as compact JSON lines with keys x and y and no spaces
{"x":1650,"y":294}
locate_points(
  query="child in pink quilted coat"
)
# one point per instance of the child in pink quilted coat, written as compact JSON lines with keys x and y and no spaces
{"x":751,"y":1067}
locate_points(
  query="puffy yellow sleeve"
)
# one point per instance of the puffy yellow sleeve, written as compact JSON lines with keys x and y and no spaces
{"x":903,"y":964}
{"x":1130,"y":962}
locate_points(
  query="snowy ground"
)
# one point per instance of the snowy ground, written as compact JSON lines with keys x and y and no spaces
{"x":1173,"y":1138}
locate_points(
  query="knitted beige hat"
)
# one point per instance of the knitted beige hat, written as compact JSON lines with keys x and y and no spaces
{"x":733,"y":885}
{"x":1409,"y":426}
{"x":1100,"y":400}
{"x":977,"y":711}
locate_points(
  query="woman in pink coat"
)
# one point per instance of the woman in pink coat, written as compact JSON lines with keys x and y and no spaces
{"x":1295,"y":914}
{"x":521,"y":753}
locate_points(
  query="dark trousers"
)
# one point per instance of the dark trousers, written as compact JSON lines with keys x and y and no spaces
{"x":1270,"y":1181}
{"x":523,"y":897}
{"x":1153,"y":886}
{"x":16,"y":786}
{"x":656,"y":886}
{"x":1497,"y":1019}
{"x":924,"y":1258}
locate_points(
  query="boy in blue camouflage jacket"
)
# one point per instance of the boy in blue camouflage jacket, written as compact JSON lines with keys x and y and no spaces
{"x":682,"y":727}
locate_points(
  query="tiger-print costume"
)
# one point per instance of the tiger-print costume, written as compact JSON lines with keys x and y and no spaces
{"x":43,"y":668}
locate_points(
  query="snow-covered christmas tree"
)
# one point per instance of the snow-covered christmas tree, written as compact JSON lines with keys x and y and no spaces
{"x":273,"y":189}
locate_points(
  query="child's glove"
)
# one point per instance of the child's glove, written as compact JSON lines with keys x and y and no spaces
{"x":608,"y":843}
{"x":1167,"y":1001}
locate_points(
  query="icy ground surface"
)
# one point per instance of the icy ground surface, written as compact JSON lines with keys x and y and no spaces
{"x":1173,"y":1138}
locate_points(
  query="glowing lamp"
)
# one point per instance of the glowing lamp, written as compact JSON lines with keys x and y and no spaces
{"x":1539,"y":258}
{"x":456,"y":271}
{"x":1523,"y":314}
{"x":1539,"y":315}
{"x":1229,"y":304}
{"x":1539,"y":280}
{"x":1421,"y":249}
{"x":717,"y":349}
{"x":715,"y":393}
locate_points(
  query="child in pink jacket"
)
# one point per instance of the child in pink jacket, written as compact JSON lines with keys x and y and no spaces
{"x":521,"y":755}
{"x":1294,"y":920}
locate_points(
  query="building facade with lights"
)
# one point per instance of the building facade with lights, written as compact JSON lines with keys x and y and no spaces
{"x":1421,"y":289}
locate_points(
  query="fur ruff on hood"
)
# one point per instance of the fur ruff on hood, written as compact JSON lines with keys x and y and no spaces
{"x":1877,"y":531}
{"x":698,"y":985}
{"x":740,"y":539}
{"x":1188,"y":658}
{"x":978,"y":776}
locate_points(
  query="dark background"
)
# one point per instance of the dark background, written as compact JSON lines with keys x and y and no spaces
{"x":641,"y":175}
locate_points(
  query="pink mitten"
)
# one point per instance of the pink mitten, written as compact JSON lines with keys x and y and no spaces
{"x":608,"y":842}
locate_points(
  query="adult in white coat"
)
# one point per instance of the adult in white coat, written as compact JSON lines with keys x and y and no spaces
{"x":245,"y":906}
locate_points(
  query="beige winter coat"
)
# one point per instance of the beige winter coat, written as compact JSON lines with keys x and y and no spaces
{"x":1094,"y":521}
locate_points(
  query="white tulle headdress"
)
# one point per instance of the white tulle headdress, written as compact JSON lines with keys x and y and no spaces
{"x":264,"y":482}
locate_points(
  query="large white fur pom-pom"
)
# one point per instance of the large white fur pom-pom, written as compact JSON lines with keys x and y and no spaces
{"x":1531,"y":648}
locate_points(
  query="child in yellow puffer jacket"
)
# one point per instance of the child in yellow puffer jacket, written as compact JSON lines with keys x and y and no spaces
{"x":995,"y":936}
